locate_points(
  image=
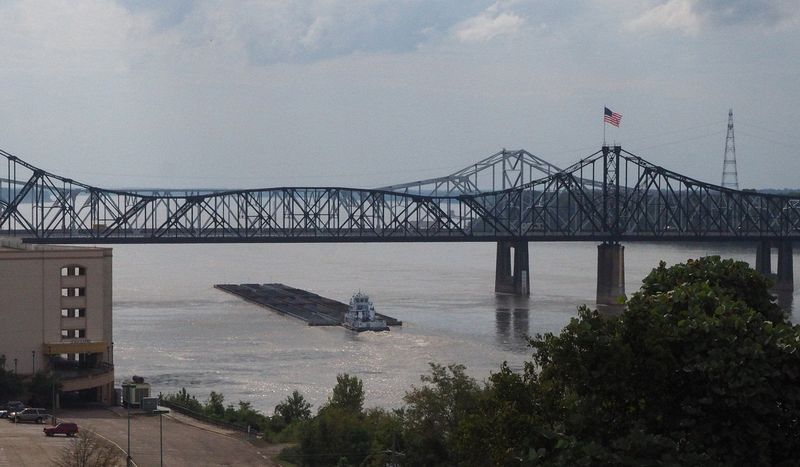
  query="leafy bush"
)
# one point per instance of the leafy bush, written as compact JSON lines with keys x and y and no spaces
{"x":186,"y":400}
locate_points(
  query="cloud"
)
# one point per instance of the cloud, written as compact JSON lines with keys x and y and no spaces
{"x":306,"y":30}
{"x":755,"y":12}
{"x":261,"y":32}
{"x":674,"y":14}
{"x":692,"y":16}
{"x":489,"y":25}
{"x":81,"y":35}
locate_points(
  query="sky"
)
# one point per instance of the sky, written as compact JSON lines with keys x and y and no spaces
{"x":366,"y":93}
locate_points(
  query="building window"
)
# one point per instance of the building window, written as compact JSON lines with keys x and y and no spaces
{"x":73,"y":291}
{"x":73,"y":333}
{"x":73,"y":271}
{"x":73,"y":312}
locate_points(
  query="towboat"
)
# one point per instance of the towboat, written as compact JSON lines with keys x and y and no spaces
{"x":361,"y":315}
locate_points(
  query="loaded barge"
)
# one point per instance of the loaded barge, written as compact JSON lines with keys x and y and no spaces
{"x":297,"y":303}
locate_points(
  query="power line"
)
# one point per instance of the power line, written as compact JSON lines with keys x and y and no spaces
{"x":769,"y":140}
{"x":680,"y":141}
{"x":770,"y":130}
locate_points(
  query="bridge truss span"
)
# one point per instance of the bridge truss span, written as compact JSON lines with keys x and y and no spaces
{"x":610,"y":196}
{"x":614,"y":195}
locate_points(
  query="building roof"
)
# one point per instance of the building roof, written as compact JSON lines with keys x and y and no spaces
{"x":11,"y":245}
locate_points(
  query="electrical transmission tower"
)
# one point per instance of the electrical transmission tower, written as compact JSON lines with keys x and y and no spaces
{"x":730,"y":179}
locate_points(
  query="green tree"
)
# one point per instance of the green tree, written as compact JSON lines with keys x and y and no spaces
{"x":294,"y":408}
{"x":388,"y":440}
{"x":214,"y":406}
{"x":734,"y":280}
{"x":10,"y":382}
{"x":42,"y":388}
{"x":509,"y":425}
{"x":438,"y":417}
{"x":702,"y":367}
{"x":335,"y":433}
{"x":348,"y":394}
{"x":244,"y":415}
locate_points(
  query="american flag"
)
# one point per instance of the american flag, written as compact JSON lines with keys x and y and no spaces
{"x":612,"y":117}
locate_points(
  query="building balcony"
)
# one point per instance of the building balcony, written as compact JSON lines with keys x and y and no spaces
{"x":75,"y":346}
{"x":71,"y":369}
{"x":75,"y":376}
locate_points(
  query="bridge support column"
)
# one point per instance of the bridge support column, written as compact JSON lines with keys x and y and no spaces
{"x":516,"y":280}
{"x":764,"y":258}
{"x":785,"y":279}
{"x":610,"y":273}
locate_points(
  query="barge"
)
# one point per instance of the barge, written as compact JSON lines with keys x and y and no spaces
{"x":314,"y":309}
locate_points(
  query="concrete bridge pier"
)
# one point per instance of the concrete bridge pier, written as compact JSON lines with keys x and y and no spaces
{"x":764,"y":257}
{"x":610,"y":273}
{"x":516,"y":280}
{"x":784,"y":279}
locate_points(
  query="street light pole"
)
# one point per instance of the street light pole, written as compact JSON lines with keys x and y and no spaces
{"x":33,"y":359}
{"x":125,"y":389}
{"x":53,"y":389}
{"x":160,"y":413}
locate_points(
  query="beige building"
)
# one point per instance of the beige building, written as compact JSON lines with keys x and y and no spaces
{"x":55,"y":315}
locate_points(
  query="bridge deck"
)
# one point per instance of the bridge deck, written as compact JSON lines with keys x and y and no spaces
{"x":297,"y":303}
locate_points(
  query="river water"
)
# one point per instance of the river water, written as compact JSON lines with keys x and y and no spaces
{"x":172,"y":327}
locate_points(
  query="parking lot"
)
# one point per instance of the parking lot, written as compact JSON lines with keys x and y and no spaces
{"x":186,"y":441}
{"x":25,"y":444}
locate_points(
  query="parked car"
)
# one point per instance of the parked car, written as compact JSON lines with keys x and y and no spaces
{"x":29,"y":415}
{"x":14,"y":406}
{"x":3,"y":413}
{"x":65,"y":428}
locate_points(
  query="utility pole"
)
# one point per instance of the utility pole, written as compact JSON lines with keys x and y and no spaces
{"x":126,"y":387}
{"x":730,"y":179}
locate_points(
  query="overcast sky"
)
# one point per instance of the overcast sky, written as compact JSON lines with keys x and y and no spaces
{"x":371,"y":92}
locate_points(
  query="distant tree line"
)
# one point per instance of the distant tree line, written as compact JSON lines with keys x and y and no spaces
{"x":702,"y":368}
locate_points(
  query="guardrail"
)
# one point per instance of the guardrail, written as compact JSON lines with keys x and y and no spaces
{"x":247,"y":429}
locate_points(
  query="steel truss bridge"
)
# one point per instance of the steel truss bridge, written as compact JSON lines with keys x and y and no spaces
{"x":609,"y":196}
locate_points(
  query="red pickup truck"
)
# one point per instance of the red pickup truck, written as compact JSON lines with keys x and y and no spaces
{"x":68,"y":429}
